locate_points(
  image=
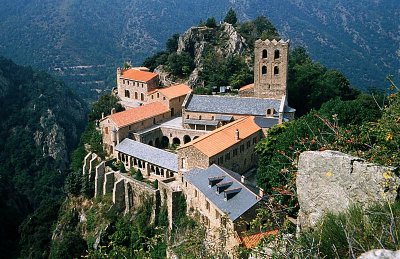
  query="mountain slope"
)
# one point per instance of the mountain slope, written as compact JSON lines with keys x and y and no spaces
{"x":41,"y":122}
{"x":83,"y":41}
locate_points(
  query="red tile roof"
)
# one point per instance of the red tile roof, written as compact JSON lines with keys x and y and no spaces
{"x":175,"y":91}
{"x":224,"y":137}
{"x":137,"y":114}
{"x":138,"y":75}
{"x":253,"y":240}
{"x":246,"y":87}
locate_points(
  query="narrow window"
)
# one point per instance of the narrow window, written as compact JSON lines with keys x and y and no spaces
{"x":106,"y":130}
{"x":264,"y":70}
{"x":264,"y":53}
{"x":277,"y":54}
{"x":158,"y":95}
{"x":199,"y":117}
{"x":136,"y":95}
{"x":127,"y":94}
{"x":276,"y":70}
{"x":142,"y":97}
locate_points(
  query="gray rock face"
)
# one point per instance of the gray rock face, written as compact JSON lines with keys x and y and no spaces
{"x":331,"y":181}
{"x":380,"y":253}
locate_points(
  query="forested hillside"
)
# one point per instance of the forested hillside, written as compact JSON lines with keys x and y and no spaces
{"x":84,"y":41}
{"x":41,"y":121}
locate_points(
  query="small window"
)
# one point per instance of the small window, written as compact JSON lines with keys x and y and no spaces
{"x":248,"y":144}
{"x":158,"y":95}
{"x":152,"y":96}
{"x":276,"y":70}
{"x":242,"y":148}
{"x":212,"y":117}
{"x":264,"y":53}
{"x":207,"y":205}
{"x":235,"y":152}
{"x":217,"y":215}
{"x":136,"y":95}
{"x":142,"y":97}
{"x":106,"y":130}
{"x":127,"y":94}
{"x":130,"y":127}
{"x":164,"y":98}
{"x":187,"y":116}
{"x":254,"y":140}
{"x":128,"y":82}
{"x":277,"y":54}
{"x":228,"y":156}
{"x":264,"y":70}
{"x":195,"y":193}
{"x":154,"y":120}
{"x":199,"y":117}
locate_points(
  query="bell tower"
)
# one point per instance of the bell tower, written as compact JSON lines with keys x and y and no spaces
{"x":270,"y":68}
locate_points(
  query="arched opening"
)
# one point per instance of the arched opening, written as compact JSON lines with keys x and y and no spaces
{"x":136,"y":95}
{"x":195,"y":137}
{"x":264,"y":70}
{"x":127,"y":94}
{"x":199,"y":117}
{"x":157,"y":143}
{"x":186,"y":139}
{"x":164,"y":142}
{"x":142,"y":97}
{"x":172,"y":112}
{"x":276,"y":70}
{"x":277,"y":54}
{"x":264,"y":53}
{"x":151,"y":143}
{"x":176,"y":141}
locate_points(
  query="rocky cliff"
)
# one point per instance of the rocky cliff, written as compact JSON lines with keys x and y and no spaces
{"x":41,"y":120}
{"x":331,"y":181}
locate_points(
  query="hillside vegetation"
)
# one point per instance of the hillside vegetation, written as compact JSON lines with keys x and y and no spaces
{"x":83,"y":42}
{"x":41,"y":122}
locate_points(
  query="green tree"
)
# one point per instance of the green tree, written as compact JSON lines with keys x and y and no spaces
{"x":211,"y":23}
{"x":104,"y":106}
{"x":172,"y":43}
{"x":180,"y":64}
{"x":231,"y":17}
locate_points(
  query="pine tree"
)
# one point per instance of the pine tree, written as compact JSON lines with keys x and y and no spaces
{"x":231,"y":17}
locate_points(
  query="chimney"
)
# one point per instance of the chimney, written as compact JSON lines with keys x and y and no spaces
{"x":112,"y":110}
{"x":242,"y":179}
{"x":237,"y":134}
{"x":102,"y":115}
{"x":261,"y":192}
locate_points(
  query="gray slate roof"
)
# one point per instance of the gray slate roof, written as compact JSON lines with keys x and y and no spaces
{"x":266,"y":123}
{"x":231,"y":104}
{"x":233,"y":207}
{"x":149,"y":154}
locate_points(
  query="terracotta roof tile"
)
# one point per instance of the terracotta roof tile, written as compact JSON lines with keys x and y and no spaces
{"x":253,"y":240}
{"x":173,"y":91}
{"x":138,"y":75}
{"x":246,"y":87}
{"x":137,"y":114}
{"x":224,"y":137}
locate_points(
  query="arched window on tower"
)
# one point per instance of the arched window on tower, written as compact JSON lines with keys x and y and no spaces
{"x":264,"y":53}
{"x":277,"y":54}
{"x":264,"y":70}
{"x":276,"y":70}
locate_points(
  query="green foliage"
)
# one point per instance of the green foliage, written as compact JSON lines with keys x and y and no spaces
{"x":211,"y":23}
{"x":260,"y":27}
{"x":172,"y":43}
{"x":231,"y":17}
{"x":160,"y":58}
{"x":104,"y":105}
{"x":155,"y":184}
{"x":311,"y":84}
{"x":121,"y":167}
{"x":180,"y":64}
{"x":351,"y":233}
{"x":71,"y":246}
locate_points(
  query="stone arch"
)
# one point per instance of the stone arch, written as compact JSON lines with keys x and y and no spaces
{"x":277,"y":54}
{"x":151,"y":143}
{"x":264,"y":53}
{"x":164,"y":142}
{"x":264,"y":70}
{"x":186,"y":139}
{"x":176,"y":141}
{"x":157,"y":142}
{"x":276,"y":70}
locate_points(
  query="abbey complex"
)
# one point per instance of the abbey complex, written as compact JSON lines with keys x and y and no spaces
{"x":200,"y":147}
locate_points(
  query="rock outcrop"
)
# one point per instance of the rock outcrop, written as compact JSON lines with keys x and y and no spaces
{"x":380,"y":253}
{"x":332,"y":181}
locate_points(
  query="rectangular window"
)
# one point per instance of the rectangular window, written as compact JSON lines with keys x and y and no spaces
{"x":228,"y":156}
{"x":195,"y":193}
{"x":235,"y":152}
{"x":242,"y":148}
{"x":248,"y":144}
{"x":207,"y":205}
{"x":164,"y":98}
{"x":254,"y":140}
{"x":106,"y":130}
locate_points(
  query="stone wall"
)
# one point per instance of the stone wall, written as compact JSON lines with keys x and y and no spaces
{"x":332,"y":181}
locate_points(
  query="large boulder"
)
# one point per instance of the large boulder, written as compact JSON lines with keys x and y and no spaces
{"x":330,"y":181}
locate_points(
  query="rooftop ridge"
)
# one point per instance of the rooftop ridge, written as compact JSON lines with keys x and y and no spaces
{"x":191,"y":143}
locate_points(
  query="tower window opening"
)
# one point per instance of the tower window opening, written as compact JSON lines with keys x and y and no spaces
{"x":276,"y":70}
{"x":264,"y":70}
{"x":264,"y":53}
{"x":277,"y":54}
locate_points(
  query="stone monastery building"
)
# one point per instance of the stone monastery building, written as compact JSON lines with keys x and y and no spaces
{"x":201,"y":146}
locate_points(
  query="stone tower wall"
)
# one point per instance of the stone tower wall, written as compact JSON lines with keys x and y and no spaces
{"x":270,"y":70}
